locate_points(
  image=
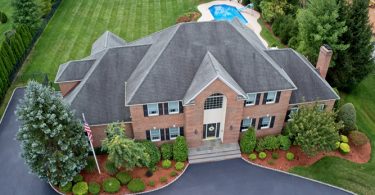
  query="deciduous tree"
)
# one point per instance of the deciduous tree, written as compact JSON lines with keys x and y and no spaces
{"x":26,"y":12}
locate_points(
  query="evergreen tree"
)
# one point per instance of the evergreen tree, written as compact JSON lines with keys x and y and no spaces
{"x":15,"y":46}
{"x":319,"y":24}
{"x":26,"y":12}
{"x":7,"y":51}
{"x":8,"y":65}
{"x":53,"y":141}
{"x":355,"y":63}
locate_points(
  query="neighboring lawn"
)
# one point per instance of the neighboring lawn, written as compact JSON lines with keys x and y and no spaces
{"x":354,"y":177}
{"x":267,"y":35}
{"x":5,"y":6}
{"x":77,"y":24}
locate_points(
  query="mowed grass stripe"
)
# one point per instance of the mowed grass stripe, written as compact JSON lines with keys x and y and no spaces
{"x":131,"y":26}
{"x":158,"y":16}
{"x":151,"y":16}
{"x":145,"y":11}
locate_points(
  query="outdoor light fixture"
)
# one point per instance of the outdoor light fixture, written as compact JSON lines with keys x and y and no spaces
{"x":247,"y":117}
{"x":231,"y":127}
{"x":154,"y":127}
{"x":174,"y":125}
{"x":196,"y":131}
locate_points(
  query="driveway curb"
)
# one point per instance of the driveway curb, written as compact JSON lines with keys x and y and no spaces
{"x":6,"y":108}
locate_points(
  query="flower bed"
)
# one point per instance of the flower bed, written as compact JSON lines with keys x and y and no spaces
{"x":135,"y":173}
{"x":358,"y":154}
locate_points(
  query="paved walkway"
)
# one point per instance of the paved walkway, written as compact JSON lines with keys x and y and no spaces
{"x":15,"y":178}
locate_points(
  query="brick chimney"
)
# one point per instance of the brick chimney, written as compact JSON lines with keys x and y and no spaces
{"x":324,"y":59}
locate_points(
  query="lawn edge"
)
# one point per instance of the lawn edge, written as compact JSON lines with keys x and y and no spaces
{"x":10,"y":99}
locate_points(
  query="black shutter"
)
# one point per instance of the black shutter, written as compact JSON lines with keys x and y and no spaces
{"x":217,"y":129}
{"x":145,"y":111}
{"x":324,"y":107}
{"x":181,"y":107}
{"x":162,"y":134}
{"x":148,"y":137}
{"x":166,"y":108}
{"x":167,"y":134}
{"x":253,"y":122}
{"x":272,"y":121}
{"x":258,"y":99}
{"x":244,"y":103}
{"x":287,"y":117}
{"x":278,"y":96}
{"x":161,"y":109}
{"x":265,"y":98}
{"x":182,"y":131}
{"x":241,"y":125}
{"x":260,"y":123}
{"x":204,"y":131}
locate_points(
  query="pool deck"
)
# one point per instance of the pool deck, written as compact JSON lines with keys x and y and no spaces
{"x":250,"y":15}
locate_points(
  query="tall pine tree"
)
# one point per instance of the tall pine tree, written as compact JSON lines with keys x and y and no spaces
{"x":26,"y":12}
{"x":355,"y":63}
{"x":53,"y":141}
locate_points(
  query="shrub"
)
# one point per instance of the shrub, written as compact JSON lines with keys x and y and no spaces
{"x":262,"y":155}
{"x":166,"y":151}
{"x":289,"y":156}
{"x":344,"y":148}
{"x":152,"y":151}
{"x":252,"y":156}
{"x":173,"y":174}
{"x":347,"y":115}
{"x":188,"y":17}
{"x":151,"y":183}
{"x":271,"y":162}
{"x":110,"y":167}
{"x":111,"y":185}
{"x":3,"y":18}
{"x":77,"y":178}
{"x":268,"y":143}
{"x":179,"y":166}
{"x":358,"y":138}
{"x":149,"y":173}
{"x":344,"y":139}
{"x":337,"y":145}
{"x":285,"y":28}
{"x":91,"y":165}
{"x":166,"y":164}
{"x":94,"y":188}
{"x":66,"y":188}
{"x":163,"y":179}
{"x":124,"y":178}
{"x":80,"y":188}
{"x":248,"y":141}
{"x":285,"y":142}
{"x":180,"y":149}
{"x":136,"y":185}
{"x":275,"y":155}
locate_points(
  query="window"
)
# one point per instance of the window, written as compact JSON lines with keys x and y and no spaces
{"x":246,"y":123}
{"x":321,"y":107}
{"x":174,"y":132}
{"x":251,"y":98}
{"x":173,"y":107}
{"x":152,"y":109}
{"x":155,"y":135}
{"x":214,"y":101}
{"x":271,"y":97}
{"x":266,"y":121}
{"x":292,"y":110}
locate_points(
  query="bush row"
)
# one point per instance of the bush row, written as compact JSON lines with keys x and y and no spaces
{"x":248,"y":142}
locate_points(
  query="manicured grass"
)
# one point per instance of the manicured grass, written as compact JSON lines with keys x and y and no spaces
{"x":271,"y":39}
{"x":77,"y":24}
{"x":359,"y":178}
{"x":5,"y":6}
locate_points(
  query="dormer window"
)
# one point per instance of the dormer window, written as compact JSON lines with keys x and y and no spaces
{"x":271,"y":97}
{"x":173,"y":107}
{"x":251,"y":98}
{"x":152,"y":109}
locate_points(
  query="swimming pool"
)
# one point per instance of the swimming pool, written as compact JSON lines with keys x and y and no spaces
{"x":226,"y":12}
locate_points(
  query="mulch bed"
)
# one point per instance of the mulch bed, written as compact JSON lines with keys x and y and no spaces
{"x":136,"y":173}
{"x":358,"y":154}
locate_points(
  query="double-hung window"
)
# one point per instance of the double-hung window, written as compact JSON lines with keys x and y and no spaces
{"x":271,"y":97}
{"x":246,"y":123}
{"x":153,"y":109}
{"x":266,"y":122}
{"x":251,"y":98}
{"x":292,"y":111}
{"x":321,"y":107}
{"x":173,"y":107}
{"x":174,"y":132}
{"x":155,"y":135}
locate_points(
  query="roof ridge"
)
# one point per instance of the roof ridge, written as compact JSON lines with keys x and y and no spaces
{"x":150,"y":67}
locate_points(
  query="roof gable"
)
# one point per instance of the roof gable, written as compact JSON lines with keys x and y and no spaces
{"x":107,"y":40}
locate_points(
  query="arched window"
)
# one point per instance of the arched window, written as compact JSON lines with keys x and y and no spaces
{"x":214,"y":101}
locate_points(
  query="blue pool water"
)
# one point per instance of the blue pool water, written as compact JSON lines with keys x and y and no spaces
{"x":226,"y":12}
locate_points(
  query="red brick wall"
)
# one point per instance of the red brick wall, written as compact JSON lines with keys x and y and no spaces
{"x":67,"y":87}
{"x":98,"y":133}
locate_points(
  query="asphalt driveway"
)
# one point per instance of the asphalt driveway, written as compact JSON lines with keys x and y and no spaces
{"x":224,"y":177}
{"x":15,"y":177}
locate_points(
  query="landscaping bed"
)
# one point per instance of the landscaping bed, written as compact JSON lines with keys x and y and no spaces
{"x":358,"y":154}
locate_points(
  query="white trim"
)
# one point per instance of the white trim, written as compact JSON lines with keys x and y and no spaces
{"x":250,"y":125}
{"x":255,"y":99}
{"x":106,"y":124}
{"x":148,"y":111}
{"x":269,"y":122}
{"x":274,"y":98}
{"x":178,"y":107}
{"x":169,"y":130}
{"x":155,"y":140}
{"x":295,"y":175}
{"x":10,"y":99}
{"x":70,"y":81}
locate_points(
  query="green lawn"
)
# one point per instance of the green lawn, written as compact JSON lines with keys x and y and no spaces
{"x":355,"y":177}
{"x":5,"y":6}
{"x":267,"y":35}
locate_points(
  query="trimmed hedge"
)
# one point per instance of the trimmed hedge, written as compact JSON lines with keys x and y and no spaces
{"x":344,"y":148}
{"x":347,"y":115}
{"x":152,"y":151}
{"x":179,"y":166}
{"x":124,"y":177}
{"x":275,"y":155}
{"x":358,"y":138}
{"x":151,"y":183}
{"x":166,"y":150}
{"x":173,"y":174}
{"x":180,"y":149}
{"x":252,"y":156}
{"x":285,"y":142}
{"x":94,"y":188}
{"x":268,"y":143}
{"x":289,"y":156}
{"x":111,"y":185}
{"x":136,"y":185}
{"x":248,"y":141}
{"x":80,"y":188}
{"x":262,"y":155}
{"x":163,"y":179}
{"x":166,"y":164}
{"x":344,"y":139}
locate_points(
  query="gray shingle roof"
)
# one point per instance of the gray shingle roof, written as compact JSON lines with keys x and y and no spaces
{"x":106,"y":40}
{"x":311,"y":86}
{"x":73,"y":70}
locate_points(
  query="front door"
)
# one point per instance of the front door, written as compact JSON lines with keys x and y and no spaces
{"x":211,"y":131}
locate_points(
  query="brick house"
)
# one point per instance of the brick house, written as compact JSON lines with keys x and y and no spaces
{"x":209,"y":80}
